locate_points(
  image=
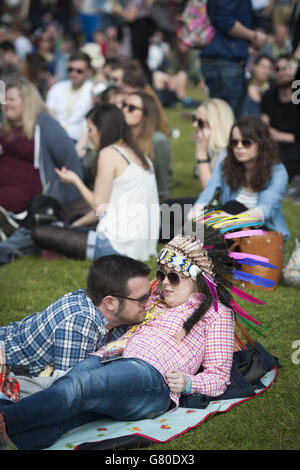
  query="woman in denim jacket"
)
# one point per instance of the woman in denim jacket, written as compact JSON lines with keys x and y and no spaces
{"x":250,"y":178}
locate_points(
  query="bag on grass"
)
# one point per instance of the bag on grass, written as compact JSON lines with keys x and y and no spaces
{"x":43,"y":209}
{"x":271,"y":246}
{"x":194,"y":26}
{"x":291,"y":272}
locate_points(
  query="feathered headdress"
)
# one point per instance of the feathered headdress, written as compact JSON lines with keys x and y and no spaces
{"x":204,"y":256}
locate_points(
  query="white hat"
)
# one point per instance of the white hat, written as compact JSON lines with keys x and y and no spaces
{"x":93,"y":50}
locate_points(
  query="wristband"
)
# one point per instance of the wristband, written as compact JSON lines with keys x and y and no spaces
{"x":202,"y":161}
{"x":189,"y":387}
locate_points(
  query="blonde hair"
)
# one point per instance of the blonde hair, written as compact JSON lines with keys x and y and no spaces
{"x":220,"y":118}
{"x":33,"y":105}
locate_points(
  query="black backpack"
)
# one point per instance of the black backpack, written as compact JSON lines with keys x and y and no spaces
{"x":43,"y":209}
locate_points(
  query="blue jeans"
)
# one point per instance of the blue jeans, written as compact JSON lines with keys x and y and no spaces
{"x":98,"y":245}
{"x":18,"y":244}
{"x":124,"y":389}
{"x":226,"y":80}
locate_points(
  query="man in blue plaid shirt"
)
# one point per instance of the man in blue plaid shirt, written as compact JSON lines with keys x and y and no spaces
{"x":79,"y":322}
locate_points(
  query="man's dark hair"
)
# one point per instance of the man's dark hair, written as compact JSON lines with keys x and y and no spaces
{"x":78,"y":55}
{"x":7,"y":46}
{"x":263,"y":56}
{"x":109,"y":275}
{"x":283,"y":56}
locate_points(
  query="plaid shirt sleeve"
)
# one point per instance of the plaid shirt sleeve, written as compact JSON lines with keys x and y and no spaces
{"x":75,"y":338}
{"x":217,"y":362}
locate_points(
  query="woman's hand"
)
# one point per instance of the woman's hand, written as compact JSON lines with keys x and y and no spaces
{"x":67,"y":176}
{"x":177,"y":381}
{"x":202,"y":141}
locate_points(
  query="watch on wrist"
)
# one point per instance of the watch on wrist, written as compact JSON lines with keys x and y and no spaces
{"x":202,"y":161}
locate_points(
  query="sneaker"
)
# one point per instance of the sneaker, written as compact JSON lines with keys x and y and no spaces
{"x":7,"y":223}
{"x":2,"y":235}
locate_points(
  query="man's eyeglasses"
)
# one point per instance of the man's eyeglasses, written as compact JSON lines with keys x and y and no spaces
{"x":173,"y":278}
{"x":72,"y":69}
{"x":141,"y":300}
{"x":246,"y":143}
{"x":200,"y":122}
{"x":130,"y":107}
{"x":286,"y":66}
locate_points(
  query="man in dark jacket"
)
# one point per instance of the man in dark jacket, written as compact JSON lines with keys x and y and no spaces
{"x":223,"y":59}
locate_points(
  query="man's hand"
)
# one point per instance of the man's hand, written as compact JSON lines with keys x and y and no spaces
{"x":259,"y":39}
{"x":176,"y":380}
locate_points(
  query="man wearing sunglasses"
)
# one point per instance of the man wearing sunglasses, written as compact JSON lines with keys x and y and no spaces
{"x":78,"y":323}
{"x":70,"y":100}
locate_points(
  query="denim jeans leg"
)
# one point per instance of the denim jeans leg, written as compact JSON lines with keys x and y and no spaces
{"x":17,"y":245}
{"x":226,"y":80}
{"x":124,"y":389}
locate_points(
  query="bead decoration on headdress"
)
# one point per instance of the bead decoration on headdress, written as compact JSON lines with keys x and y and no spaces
{"x":178,"y":263}
{"x":187,"y":255}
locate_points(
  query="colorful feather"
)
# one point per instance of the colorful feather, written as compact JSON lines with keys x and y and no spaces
{"x":238,"y":309}
{"x":250,"y":326}
{"x":255,"y":262}
{"x":239,"y":255}
{"x":245,"y":296}
{"x":245,"y":233}
{"x":239,"y":342}
{"x":211,"y":285}
{"x":256,"y":280}
{"x":223,"y":230}
{"x":240,"y":325}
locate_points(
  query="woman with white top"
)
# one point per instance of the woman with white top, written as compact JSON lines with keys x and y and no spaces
{"x":124,"y":199}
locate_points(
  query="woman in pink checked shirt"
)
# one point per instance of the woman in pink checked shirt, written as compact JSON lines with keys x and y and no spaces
{"x":184,"y":328}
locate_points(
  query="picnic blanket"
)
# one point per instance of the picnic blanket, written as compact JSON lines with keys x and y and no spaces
{"x":253,"y":372}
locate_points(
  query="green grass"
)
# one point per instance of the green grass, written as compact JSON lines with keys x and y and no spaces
{"x":270,"y":421}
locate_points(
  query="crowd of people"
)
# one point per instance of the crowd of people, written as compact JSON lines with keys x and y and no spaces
{"x":86,"y":167}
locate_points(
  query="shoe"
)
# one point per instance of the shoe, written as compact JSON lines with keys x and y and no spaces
{"x":2,"y":235}
{"x":7,"y":223}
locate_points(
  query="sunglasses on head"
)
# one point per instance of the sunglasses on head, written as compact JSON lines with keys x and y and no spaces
{"x":130,"y":107}
{"x":246,"y":143}
{"x":141,"y":300}
{"x":200,"y":122}
{"x":71,"y":69}
{"x":173,"y":278}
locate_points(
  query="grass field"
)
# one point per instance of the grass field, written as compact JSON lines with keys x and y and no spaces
{"x":270,"y":421}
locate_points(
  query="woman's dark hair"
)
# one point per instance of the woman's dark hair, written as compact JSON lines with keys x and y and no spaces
{"x":222,"y":268}
{"x":112,"y":128}
{"x":252,"y":128}
{"x":110,"y":274}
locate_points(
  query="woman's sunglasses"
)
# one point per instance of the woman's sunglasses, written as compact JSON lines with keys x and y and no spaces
{"x":246,"y":143}
{"x":173,"y":278}
{"x":200,"y":122}
{"x":130,"y":107}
